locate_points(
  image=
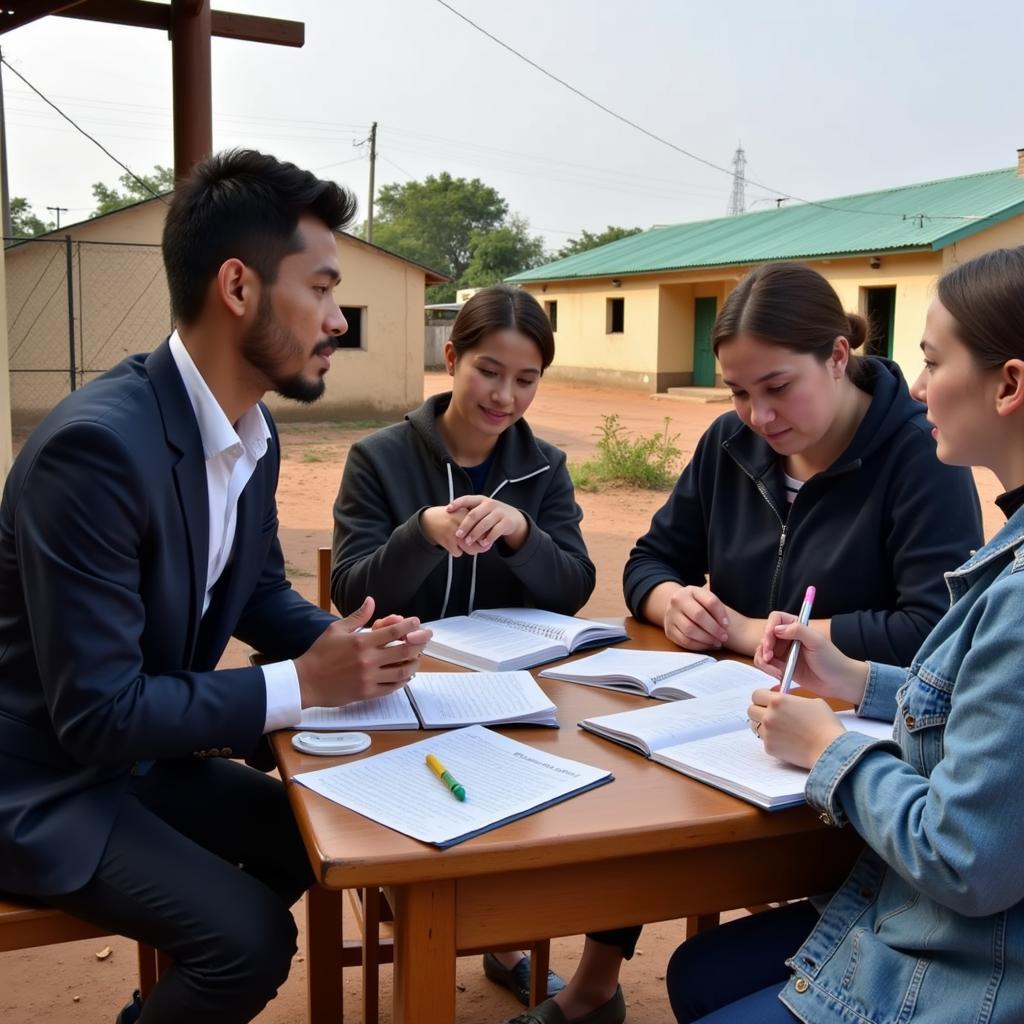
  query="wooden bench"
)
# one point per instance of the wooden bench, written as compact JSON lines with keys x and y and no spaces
{"x":25,"y":924}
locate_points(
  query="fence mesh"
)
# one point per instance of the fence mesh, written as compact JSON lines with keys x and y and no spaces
{"x":75,"y":309}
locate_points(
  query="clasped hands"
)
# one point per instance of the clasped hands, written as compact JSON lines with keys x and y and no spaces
{"x":473,"y":524}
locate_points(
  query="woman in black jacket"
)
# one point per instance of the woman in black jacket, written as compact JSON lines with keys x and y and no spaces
{"x":825,"y":473}
{"x":461,"y":507}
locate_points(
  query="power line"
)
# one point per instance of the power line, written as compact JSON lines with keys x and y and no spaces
{"x":145,"y":184}
{"x":671,"y":145}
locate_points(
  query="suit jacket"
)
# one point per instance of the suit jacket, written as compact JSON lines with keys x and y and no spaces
{"x":106,"y":658}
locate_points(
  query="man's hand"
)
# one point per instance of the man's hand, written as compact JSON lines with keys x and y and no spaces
{"x":344,"y":665}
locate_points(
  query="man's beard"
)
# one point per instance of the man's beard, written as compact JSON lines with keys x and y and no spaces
{"x":267,"y":345}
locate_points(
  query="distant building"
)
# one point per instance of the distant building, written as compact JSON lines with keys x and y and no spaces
{"x":119,"y":305}
{"x":638,"y":312}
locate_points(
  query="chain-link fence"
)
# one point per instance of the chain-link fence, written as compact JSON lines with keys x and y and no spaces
{"x":74,"y":309}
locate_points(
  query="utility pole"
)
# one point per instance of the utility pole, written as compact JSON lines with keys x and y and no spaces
{"x":373,"y":167}
{"x":738,"y":199}
{"x":58,"y":210}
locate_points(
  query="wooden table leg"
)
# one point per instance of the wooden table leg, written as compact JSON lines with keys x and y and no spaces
{"x":424,"y":984}
{"x":371,"y":954}
{"x":540,"y":961}
{"x":700,"y":923}
{"x":323,"y":956}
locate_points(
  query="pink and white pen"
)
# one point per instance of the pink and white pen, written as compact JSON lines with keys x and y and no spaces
{"x":794,"y":647}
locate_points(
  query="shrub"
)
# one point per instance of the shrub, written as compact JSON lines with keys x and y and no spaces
{"x":643,"y":461}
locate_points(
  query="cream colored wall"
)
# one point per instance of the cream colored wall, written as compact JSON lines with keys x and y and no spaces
{"x":383,"y":380}
{"x":666,"y":355}
{"x":1003,"y":236}
{"x":584,"y":350}
{"x":912,"y":274}
{"x":122,"y":306}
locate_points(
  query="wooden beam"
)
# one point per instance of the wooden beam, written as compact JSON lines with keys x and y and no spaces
{"x":16,"y":13}
{"x":147,"y":14}
{"x":191,"y":78}
{"x":254,"y":29}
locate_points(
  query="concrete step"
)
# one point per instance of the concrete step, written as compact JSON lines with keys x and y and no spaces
{"x":701,"y":395}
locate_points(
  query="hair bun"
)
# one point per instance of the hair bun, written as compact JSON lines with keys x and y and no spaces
{"x":858,"y":333}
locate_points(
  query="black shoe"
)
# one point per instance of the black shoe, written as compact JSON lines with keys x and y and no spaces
{"x":132,"y":1012}
{"x":517,"y":979}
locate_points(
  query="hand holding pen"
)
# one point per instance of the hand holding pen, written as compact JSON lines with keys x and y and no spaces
{"x":818,"y":665}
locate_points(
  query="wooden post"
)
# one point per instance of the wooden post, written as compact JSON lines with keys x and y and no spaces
{"x":190,"y":70}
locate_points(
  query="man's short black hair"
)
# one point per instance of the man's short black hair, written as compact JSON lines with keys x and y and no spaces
{"x":245,"y":205}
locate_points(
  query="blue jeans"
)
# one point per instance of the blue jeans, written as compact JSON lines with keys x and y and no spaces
{"x":733,"y":974}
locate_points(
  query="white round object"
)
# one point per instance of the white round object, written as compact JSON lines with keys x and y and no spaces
{"x":330,"y":744}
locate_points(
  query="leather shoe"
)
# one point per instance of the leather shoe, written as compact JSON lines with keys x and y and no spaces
{"x":131,"y":1013}
{"x":549,"y":1012}
{"x":517,"y":979}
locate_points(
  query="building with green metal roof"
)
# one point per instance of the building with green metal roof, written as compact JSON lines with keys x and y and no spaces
{"x":639,"y":311}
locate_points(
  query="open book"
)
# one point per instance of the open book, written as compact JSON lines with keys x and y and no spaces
{"x":667,"y":675}
{"x":503,"y":780}
{"x":710,"y":740}
{"x":500,"y":639}
{"x":444,"y":700}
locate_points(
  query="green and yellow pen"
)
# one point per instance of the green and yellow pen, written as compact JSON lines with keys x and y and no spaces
{"x":446,"y":777}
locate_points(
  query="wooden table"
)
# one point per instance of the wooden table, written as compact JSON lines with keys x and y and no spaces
{"x":653,"y":845}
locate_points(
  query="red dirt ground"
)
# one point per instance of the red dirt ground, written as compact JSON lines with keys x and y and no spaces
{"x":69,"y":985}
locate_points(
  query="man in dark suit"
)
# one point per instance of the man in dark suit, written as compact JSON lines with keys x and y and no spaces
{"x":138,"y":532}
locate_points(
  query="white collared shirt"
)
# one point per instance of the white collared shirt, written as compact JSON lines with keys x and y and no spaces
{"x":231,"y":458}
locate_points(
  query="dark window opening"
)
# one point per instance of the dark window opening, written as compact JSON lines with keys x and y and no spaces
{"x":551,"y":308}
{"x":616,"y":316}
{"x":354,"y":337}
{"x":880,"y":309}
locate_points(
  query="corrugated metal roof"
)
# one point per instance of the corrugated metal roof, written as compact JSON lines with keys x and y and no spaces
{"x":926,"y":216}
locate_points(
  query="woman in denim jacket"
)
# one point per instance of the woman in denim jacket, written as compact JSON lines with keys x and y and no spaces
{"x":929,"y":927}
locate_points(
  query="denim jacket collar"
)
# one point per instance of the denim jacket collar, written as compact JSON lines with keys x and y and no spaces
{"x":1009,"y":538}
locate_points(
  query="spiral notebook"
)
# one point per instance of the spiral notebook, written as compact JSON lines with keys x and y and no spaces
{"x":502,"y":639}
{"x":709,"y":739}
{"x":665,"y":675}
{"x":503,"y":780}
{"x":444,"y":700}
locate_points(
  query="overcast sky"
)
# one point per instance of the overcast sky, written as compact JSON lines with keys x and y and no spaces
{"x":827,"y":99}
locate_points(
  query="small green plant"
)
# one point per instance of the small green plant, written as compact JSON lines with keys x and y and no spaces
{"x":312,"y":457}
{"x":647,"y":461}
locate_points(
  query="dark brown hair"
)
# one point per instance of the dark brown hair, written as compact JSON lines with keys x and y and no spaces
{"x":244,"y":205}
{"x":794,"y":307}
{"x":497,"y":308}
{"x":985,"y":296}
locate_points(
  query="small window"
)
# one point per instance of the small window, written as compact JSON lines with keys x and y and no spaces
{"x":355,"y":336}
{"x":551,"y":308}
{"x":616,"y":316}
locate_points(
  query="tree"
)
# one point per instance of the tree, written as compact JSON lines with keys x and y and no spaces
{"x":502,"y":252}
{"x":434,"y":221}
{"x":133,"y":191}
{"x":588,"y":240}
{"x":447,"y":224}
{"x":24,"y":222}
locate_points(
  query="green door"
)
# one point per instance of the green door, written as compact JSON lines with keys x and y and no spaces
{"x":704,"y":311}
